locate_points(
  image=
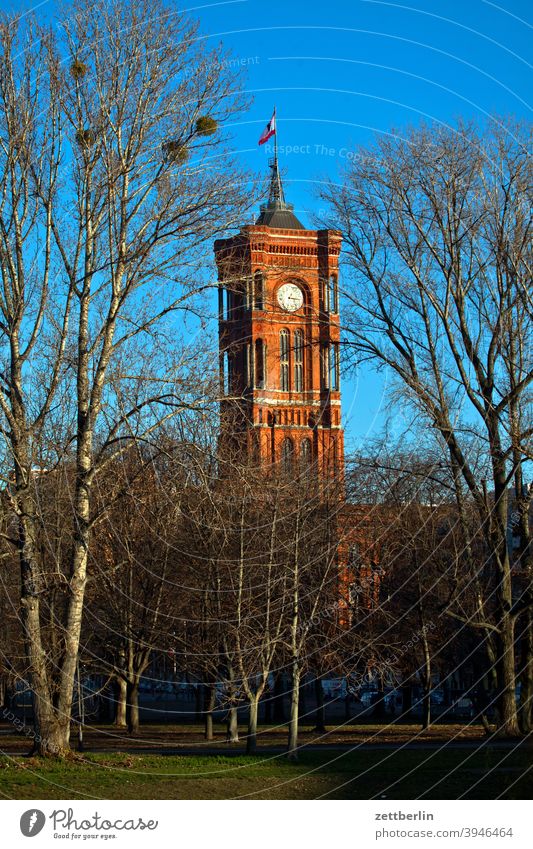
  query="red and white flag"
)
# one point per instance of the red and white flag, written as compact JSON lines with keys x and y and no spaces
{"x":269,"y":130}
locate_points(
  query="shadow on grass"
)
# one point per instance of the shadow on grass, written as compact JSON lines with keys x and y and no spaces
{"x":444,"y":773}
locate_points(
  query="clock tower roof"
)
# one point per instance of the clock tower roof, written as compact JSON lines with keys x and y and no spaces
{"x":279,"y":215}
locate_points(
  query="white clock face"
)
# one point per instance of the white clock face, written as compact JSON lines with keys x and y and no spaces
{"x":290,"y":297}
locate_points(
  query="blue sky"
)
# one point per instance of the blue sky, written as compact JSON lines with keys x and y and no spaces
{"x":367,"y":66}
{"x":340,"y":72}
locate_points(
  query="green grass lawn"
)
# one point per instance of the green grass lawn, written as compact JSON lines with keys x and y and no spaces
{"x":396,"y":774}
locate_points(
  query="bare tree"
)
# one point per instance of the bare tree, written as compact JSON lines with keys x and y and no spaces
{"x":113,"y":173}
{"x":201,"y":542}
{"x":256,"y":597}
{"x":437,"y":226}
{"x":312,"y":564}
{"x":236,"y":574}
{"x":133,"y":594}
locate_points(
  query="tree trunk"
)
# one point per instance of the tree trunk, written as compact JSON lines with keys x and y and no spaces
{"x":426,"y":677}
{"x":292,"y":747}
{"x":57,"y":740}
{"x":133,"y":707}
{"x":232,"y":726}
{"x":523,"y":561}
{"x":78,"y":573}
{"x":251,"y":739}
{"x":209,"y":706}
{"x":267,"y":703}
{"x":508,"y":714}
{"x":232,"y":722}
{"x":320,"y":716}
{"x":52,"y":728}
{"x":526,"y":677}
{"x":121,"y":702}
{"x":480,"y":702}
{"x":302,"y":701}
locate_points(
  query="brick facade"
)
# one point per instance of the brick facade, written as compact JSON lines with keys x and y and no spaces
{"x":279,"y":364}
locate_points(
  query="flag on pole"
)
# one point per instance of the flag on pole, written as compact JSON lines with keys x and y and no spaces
{"x":269,"y":130}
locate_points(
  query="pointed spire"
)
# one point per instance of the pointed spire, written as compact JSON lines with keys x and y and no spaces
{"x":276,"y":193}
{"x":277,"y":212}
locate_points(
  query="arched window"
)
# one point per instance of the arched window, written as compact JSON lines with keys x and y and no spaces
{"x":334,"y":370}
{"x":299,"y":361}
{"x":259,"y":364}
{"x":333,"y":296}
{"x":306,"y":450}
{"x":284,"y":341}
{"x":325,"y":295}
{"x":258,"y":291}
{"x":287,"y":455}
{"x":335,"y":456}
{"x":248,"y":293}
{"x":229,"y":372}
{"x":324,"y":366}
{"x":248,"y":366}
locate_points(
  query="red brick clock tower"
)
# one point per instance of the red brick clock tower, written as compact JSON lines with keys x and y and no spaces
{"x":279,"y":339}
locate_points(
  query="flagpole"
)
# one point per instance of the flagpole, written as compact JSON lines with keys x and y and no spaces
{"x":279,"y":190}
{"x":275,"y":194}
{"x":276,"y":137}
